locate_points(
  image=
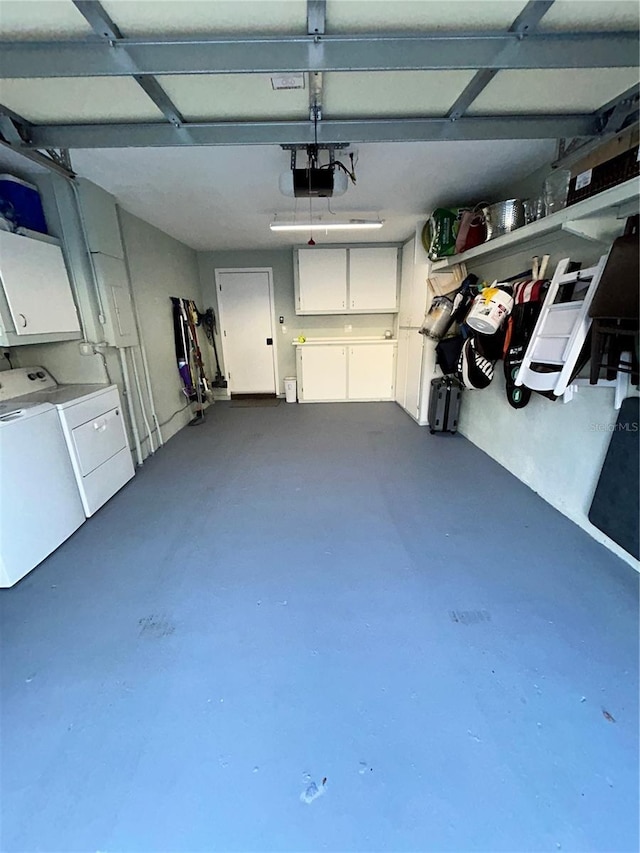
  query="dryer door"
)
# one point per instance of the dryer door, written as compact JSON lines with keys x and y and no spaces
{"x":98,"y":440}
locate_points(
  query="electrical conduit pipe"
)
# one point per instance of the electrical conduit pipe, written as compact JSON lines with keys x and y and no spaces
{"x":127,"y":388}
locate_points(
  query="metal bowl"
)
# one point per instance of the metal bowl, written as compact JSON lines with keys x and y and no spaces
{"x":503,"y":217}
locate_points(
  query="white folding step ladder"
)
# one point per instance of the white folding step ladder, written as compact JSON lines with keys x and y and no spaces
{"x":561,"y":330}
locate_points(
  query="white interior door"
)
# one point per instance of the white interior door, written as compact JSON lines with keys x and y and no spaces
{"x":245,"y":303}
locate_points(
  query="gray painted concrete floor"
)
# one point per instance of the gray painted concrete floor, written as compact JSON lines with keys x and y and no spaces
{"x":306,"y":592}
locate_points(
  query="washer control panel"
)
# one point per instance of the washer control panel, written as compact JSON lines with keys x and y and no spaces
{"x":24,"y":380}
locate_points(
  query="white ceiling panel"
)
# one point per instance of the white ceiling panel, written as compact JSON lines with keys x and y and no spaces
{"x":66,"y":99}
{"x":224,"y":198}
{"x":391,"y":93}
{"x":410,"y":15}
{"x":593,"y":15}
{"x":234,"y":96}
{"x":173,"y":17}
{"x":34,"y":19}
{"x":572,"y":90}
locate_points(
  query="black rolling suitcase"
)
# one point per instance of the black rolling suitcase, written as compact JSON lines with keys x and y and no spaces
{"x":444,"y":404}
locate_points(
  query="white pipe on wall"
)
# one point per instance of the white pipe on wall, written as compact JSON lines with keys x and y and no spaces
{"x":143,"y":352}
{"x":136,"y":379}
{"x":145,"y":367}
{"x":132,"y":415}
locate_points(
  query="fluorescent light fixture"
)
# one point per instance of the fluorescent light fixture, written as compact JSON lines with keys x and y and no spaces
{"x":350,"y":225}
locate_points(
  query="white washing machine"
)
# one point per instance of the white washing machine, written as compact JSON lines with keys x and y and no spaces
{"x":94,"y":430}
{"x":40,"y":503}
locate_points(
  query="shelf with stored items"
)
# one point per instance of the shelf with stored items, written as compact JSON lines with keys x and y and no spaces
{"x":596,"y":220}
{"x":346,"y":280}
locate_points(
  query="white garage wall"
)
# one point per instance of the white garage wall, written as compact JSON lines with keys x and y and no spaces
{"x":281,"y":262}
{"x":161,"y":267}
{"x":555,"y":448}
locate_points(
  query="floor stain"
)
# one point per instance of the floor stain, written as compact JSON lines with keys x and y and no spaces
{"x":156,"y":626}
{"x":313,"y":791}
{"x":608,"y":716}
{"x":469,"y":617}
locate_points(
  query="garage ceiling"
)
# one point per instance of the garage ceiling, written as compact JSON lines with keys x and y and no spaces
{"x":494,"y":82}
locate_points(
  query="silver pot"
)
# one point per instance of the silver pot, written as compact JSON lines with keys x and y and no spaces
{"x":503,"y":217}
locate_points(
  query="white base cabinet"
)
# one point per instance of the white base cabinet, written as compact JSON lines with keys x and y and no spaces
{"x":342,"y":372}
{"x":416,"y":369}
{"x":370,"y":372}
{"x":322,"y":373}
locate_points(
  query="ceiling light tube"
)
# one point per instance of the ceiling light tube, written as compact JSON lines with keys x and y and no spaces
{"x":352,"y":225}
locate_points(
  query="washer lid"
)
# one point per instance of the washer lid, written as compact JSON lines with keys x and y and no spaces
{"x":12,"y":411}
{"x":64,"y":395}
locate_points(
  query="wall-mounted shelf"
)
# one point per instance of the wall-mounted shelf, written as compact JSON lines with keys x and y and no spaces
{"x":595,"y":219}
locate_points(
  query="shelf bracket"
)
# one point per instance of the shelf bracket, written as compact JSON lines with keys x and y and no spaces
{"x":601,"y":229}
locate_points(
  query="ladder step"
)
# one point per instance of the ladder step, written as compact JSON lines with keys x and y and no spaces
{"x":566,"y":306}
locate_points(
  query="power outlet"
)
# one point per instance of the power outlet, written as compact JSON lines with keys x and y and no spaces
{"x":86,"y":348}
{"x":348,"y":328}
{"x":284,"y":330}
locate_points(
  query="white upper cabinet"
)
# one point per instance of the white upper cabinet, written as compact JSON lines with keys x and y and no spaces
{"x":373,"y":279}
{"x":413,"y":284}
{"x":346,"y":281}
{"x":406,"y":284}
{"x":322,"y":281}
{"x":37,"y":291}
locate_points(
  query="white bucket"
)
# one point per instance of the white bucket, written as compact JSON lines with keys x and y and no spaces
{"x":487,"y":315}
{"x":290,"y":389}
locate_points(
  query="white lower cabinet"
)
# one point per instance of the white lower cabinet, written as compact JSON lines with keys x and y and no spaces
{"x":322,"y":373}
{"x":416,"y":369}
{"x":370,"y":372}
{"x":337,"y":372}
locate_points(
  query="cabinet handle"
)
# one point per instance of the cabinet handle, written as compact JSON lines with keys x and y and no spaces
{"x":24,"y":321}
{"x":353,"y":303}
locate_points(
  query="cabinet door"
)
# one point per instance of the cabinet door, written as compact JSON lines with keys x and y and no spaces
{"x":113,"y":281}
{"x":373,"y":279}
{"x":322,"y":372}
{"x":402,"y":365}
{"x":429,"y":372}
{"x":371,"y":371}
{"x":406,"y":284}
{"x":36,"y":285}
{"x":419,"y":291}
{"x":416,"y":343}
{"x":322,"y":281}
